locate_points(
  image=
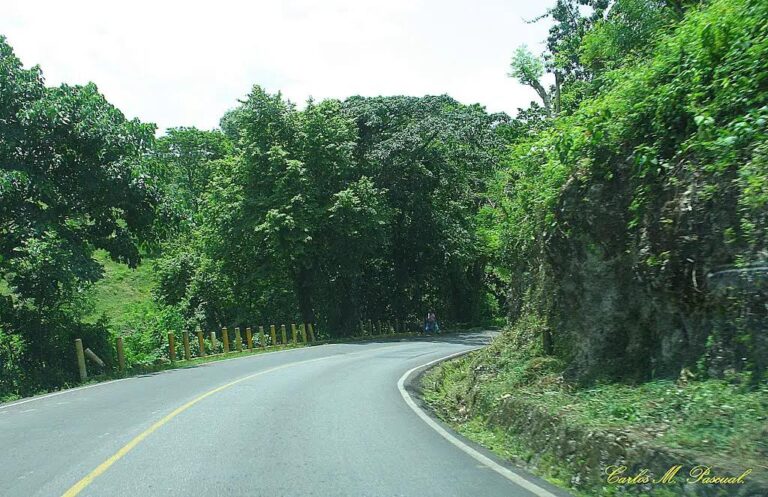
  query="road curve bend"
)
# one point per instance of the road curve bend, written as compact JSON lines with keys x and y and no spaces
{"x":318,"y":421}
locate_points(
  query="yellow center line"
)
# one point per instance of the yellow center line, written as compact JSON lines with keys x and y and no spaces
{"x":101,"y":468}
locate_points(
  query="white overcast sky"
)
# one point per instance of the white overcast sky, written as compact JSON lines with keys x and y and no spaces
{"x":184,"y":63}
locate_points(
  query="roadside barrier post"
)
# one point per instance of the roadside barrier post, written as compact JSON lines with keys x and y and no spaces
{"x":201,"y":343}
{"x":92,"y":356}
{"x":238,"y":340}
{"x":370,"y":327}
{"x":311,"y":333}
{"x":214,"y":344}
{"x":303,"y":332}
{"x":249,"y":338}
{"x":80,"y":359}
{"x":293,"y":333}
{"x":225,"y":339}
{"x":378,"y":327}
{"x":262,"y":340}
{"x":272,"y":334}
{"x":283,"y":336}
{"x":171,"y":346}
{"x":120,"y":354}
{"x":187,"y":351}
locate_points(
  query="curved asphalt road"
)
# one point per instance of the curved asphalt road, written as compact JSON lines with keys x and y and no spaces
{"x":317,"y":421}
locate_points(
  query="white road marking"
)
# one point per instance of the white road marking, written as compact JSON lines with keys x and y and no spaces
{"x":505,"y":472}
{"x":60,"y":392}
{"x":69,"y":390}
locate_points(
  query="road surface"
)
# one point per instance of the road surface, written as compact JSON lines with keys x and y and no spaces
{"x":317,"y":421}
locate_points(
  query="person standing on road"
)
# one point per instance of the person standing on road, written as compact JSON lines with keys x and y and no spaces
{"x":430,"y":323}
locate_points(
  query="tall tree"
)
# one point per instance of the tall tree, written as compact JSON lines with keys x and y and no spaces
{"x":528,"y":70}
{"x":67,"y":186}
{"x":184,"y":162}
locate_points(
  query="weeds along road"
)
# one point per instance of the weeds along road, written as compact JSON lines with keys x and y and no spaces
{"x":318,"y":421}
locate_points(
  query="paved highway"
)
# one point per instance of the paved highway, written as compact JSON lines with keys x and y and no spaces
{"x":330,"y":420}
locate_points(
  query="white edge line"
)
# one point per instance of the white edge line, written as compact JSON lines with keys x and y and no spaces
{"x":179,"y":367}
{"x":139,"y":375}
{"x":62,"y":392}
{"x":505,"y":472}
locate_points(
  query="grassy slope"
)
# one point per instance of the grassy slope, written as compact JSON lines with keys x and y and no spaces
{"x":121,"y":288}
{"x":710,"y":420}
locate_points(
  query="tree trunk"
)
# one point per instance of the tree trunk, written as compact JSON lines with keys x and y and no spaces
{"x":544,"y":96}
{"x":304,"y":295}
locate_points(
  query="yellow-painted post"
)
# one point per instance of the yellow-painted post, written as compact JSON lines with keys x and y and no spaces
{"x":187,"y":351}
{"x":303,"y":332}
{"x":225,"y":339}
{"x":120,"y":354}
{"x":172,"y":346}
{"x":80,"y":359}
{"x":283,"y":335}
{"x":214,"y":343}
{"x":201,"y":343}
{"x":238,"y":340}
{"x":311,"y":333}
{"x":262,"y":339}
{"x":249,"y":338}
{"x":272,"y":334}
{"x":293,"y":333}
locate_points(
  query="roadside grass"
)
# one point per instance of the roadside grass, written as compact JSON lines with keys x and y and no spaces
{"x":121,"y":288}
{"x":723,"y":420}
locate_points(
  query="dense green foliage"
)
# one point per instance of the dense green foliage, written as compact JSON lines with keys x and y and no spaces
{"x":629,"y":230}
{"x":67,"y":187}
{"x":619,"y":217}
{"x":625,"y":215}
{"x":339,"y":212}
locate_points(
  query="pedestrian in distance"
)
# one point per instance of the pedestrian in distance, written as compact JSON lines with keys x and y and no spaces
{"x":430,"y":323}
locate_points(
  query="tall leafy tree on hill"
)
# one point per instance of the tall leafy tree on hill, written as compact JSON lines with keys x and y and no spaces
{"x":67,"y":187}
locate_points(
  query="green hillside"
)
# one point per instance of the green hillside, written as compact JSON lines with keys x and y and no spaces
{"x":121,"y":290}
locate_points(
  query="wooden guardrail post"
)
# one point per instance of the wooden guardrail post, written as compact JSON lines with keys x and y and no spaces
{"x":93,"y":357}
{"x":80,"y":359}
{"x":120,"y":354}
{"x":225,"y":339}
{"x":238,"y":340}
{"x":293,"y":333}
{"x":201,"y":342}
{"x":214,"y":343}
{"x":187,"y":350}
{"x":272,"y":334}
{"x":172,"y":346}
{"x":262,"y":340}
{"x":283,"y":337}
{"x":370,"y":327}
{"x":249,"y":338}
{"x":311,"y":333}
